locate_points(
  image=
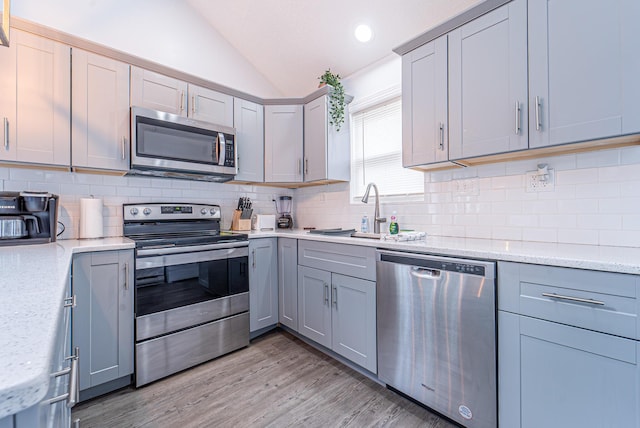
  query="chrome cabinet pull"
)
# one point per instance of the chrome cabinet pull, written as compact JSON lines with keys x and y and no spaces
{"x":334,"y":296}
{"x":299,"y":166}
{"x":441,"y":145}
{"x":326,"y":293}
{"x":517,"y":118}
{"x":70,"y":302}
{"x":124,"y":148}
{"x":181,"y":100}
{"x":573,"y":299}
{"x":538,"y":124}
{"x":193,"y":105}
{"x":6,"y":133}
{"x":126,"y":276}
{"x":306,"y":166}
{"x":253,"y":257}
{"x":74,"y":390}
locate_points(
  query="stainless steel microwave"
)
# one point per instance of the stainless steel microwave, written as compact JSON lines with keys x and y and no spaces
{"x":168,"y":145}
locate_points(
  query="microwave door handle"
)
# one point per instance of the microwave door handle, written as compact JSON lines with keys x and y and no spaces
{"x":221,"y":149}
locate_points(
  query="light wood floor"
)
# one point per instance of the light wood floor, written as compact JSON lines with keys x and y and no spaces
{"x":278,"y":381}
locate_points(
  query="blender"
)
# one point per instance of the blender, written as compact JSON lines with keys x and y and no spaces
{"x":283,"y":207}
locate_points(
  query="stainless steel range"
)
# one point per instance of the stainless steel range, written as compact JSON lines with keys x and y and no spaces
{"x":191,"y":287}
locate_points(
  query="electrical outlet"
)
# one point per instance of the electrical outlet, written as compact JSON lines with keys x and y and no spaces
{"x":466,"y":186}
{"x":535,"y":182}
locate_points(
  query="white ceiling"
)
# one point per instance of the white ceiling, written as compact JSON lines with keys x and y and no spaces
{"x":292,"y":42}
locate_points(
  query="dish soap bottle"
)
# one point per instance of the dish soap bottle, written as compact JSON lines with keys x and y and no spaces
{"x":364,"y":224}
{"x":393,"y":226}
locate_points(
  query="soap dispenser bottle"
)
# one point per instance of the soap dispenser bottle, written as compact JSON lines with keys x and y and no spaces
{"x":393,"y":226}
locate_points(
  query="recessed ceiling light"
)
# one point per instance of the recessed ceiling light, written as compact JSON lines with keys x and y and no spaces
{"x":363,"y":33}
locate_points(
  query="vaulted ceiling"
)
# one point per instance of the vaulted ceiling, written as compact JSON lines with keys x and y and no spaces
{"x":292,"y":42}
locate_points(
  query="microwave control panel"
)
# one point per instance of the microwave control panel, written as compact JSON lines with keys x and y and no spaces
{"x":230,"y":149}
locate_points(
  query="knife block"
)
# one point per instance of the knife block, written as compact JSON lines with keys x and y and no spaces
{"x":238,"y":223}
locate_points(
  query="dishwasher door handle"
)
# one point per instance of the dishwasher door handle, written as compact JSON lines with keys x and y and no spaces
{"x":419,"y":272}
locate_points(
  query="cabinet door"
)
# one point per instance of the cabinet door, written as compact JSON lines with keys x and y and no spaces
{"x":263,"y":283}
{"x":100,"y":112}
{"x":583,"y":73}
{"x":315,"y":139}
{"x":248,"y":119}
{"x":488,"y":83}
{"x":425,"y":124}
{"x":353,"y":320}
{"x":103,"y":317}
{"x":158,"y":92}
{"x":553,"y":375}
{"x":314,"y":307}
{"x":283,"y":144}
{"x":36,"y":100}
{"x":210,"y":106}
{"x":288,"y":282}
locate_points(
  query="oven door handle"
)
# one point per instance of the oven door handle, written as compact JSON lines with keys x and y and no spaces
{"x":190,"y":257}
{"x":174,"y":250}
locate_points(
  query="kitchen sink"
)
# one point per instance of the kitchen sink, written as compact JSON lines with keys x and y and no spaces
{"x":365,"y":235}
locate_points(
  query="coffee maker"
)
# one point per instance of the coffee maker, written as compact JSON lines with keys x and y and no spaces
{"x":283,"y":207}
{"x":28,"y":218}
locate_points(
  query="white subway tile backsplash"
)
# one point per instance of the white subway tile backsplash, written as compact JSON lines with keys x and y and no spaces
{"x":578,"y":236}
{"x":558,"y":220}
{"x":576,"y":176}
{"x":127,"y":191}
{"x":537,"y":234}
{"x":598,"y":158}
{"x":627,"y":238}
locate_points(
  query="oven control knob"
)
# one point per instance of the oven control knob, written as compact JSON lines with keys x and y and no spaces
{"x":213,"y":211}
{"x":203,"y":211}
{"x":133,"y":211}
{"x":146,"y":211}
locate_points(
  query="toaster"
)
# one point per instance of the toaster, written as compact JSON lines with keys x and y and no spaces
{"x":263,"y":222}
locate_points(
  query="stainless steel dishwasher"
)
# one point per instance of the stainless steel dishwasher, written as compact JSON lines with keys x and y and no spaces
{"x":437,"y":333}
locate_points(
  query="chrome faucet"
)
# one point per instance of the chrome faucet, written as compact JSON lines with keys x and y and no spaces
{"x":376,"y":213}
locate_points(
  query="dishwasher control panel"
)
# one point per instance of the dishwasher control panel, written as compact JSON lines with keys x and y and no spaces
{"x":436,"y":263}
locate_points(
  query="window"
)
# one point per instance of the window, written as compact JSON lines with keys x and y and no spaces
{"x":376,"y":153}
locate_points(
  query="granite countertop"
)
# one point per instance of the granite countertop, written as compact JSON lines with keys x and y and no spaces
{"x":593,"y":257}
{"x":33,"y":284}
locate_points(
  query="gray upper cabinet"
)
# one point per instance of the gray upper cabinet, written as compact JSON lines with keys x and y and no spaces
{"x":263,"y":283}
{"x":425,"y":126}
{"x":283,"y":136}
{"x":103,"y":317}
{"x":248,"y":120}
{"x":583,"y":73}
{"x":159,"y":92}
{"x":288,"y":282}
{"x":35,"y":100}
{"x":100,"y":112}
{"x":326,"y":150}
{"x":210,"y":106}
{"x":488,"y":83}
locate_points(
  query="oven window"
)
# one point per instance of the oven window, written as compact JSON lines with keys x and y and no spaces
{"x":168,"y":287}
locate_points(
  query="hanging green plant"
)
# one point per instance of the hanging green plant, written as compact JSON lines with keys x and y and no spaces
{"x":336,"y":98}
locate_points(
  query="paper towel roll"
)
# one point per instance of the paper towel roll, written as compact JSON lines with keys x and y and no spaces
{"x":91,"y":221}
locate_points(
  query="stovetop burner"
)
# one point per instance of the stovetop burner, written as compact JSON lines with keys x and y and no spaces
{"x":159,"y":225}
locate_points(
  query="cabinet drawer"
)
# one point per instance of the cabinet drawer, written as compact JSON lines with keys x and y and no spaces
{"x":599,"y":301}
{"x":351,"y":260}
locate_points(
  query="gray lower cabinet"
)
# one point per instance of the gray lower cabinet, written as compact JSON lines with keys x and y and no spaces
{"x":288,"y":282}
{"x":567,"y":347}
{"x":103,"y":284}
{"x":263,"y":283}
{"x":335,"y":310}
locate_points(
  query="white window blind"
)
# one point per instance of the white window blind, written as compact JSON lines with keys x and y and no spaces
{"x":376,"y":153}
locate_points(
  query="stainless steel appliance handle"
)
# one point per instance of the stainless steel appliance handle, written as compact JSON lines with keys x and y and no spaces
{"x":190,"y":257}
{"x":425,"y":273}
{"x":538,"y":124}
{"x":441,"y":145}
{"x":573,"y":299}
{"x":221,"y":149}
{"x":517,"y":110}
{"x":174,"y":250}
{"x":6,"y":133}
